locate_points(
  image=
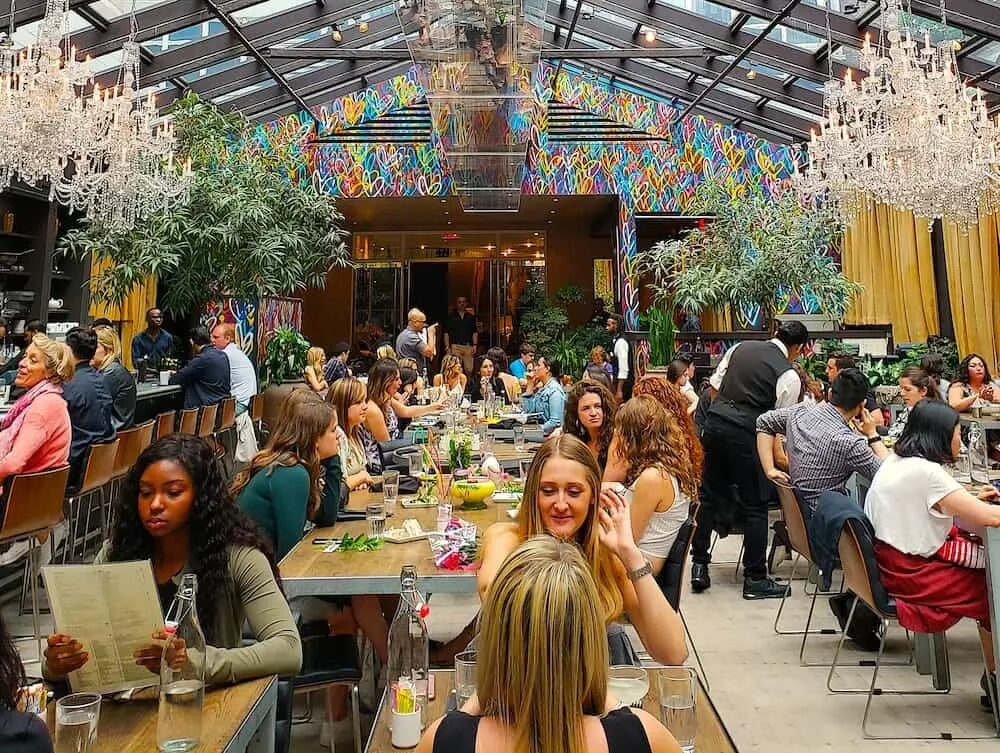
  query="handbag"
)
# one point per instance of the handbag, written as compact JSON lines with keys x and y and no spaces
{"x":963,"y":549}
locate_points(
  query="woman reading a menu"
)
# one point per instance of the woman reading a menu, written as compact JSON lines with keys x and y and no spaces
{"x":177,"y":511}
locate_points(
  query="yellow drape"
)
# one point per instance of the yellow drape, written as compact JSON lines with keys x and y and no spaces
{"x":973,"y":286}
{"x":716,"y":320}
{"x":131,"y":316}
{"x":889,"y":252}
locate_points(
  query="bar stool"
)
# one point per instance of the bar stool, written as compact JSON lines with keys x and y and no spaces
{"x":206,"y":421}
{"x":131,"y":443}
{"x":34,"y":506}
{"x":97,"y":473}
{"x":165,"y":423}
{"x":189,"y":421}
{"x":225,"y":434}
{"x":257,"y":415}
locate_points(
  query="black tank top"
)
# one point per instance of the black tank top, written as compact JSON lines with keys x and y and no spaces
{"x":623,"y":730}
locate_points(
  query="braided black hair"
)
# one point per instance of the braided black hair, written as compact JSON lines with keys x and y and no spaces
{"x":216,"y":523}
{"x":11,"y":670}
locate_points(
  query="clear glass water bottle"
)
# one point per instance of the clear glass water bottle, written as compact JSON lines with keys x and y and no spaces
{"x":182,"y":673}
{"x":979,"y":463}
{"x":408,"y":641}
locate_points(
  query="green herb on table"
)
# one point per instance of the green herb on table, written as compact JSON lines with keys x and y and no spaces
{"x":360,"y":543}
{"x":512,"y":487}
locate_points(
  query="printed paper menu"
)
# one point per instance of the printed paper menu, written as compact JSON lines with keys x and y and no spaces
{"x":113,"y":609}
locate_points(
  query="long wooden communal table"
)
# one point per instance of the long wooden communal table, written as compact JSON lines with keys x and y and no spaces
{"x":237,"y":719}
{"x":712,"y":735}
{"x":309,"y":571}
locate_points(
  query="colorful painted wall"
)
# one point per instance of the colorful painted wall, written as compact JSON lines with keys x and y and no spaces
{"x":255,"y":320}
{"x":647,"y":176}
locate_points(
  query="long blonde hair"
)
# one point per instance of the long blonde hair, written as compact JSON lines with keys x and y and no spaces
{"x":588,"y":537}
{"x":451,"y":366}
{"x":342,"y":395}
{"x":316,"y":358}
{"x":107,"y":338}
{"x":543,"y":653}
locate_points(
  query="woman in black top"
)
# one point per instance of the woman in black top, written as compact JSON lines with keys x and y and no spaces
{"x":487,"y":382}
{"x":20,"y":732}
{"x":120,"y":384}
{"x":542,"y":669}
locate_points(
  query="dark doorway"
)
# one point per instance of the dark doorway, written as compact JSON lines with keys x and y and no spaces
{"x":429,"y":290}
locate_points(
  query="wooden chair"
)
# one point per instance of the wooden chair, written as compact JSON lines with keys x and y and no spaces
{"x":188,"y":421}
{"x":861,"y":575}
{"x":34,"y":506}
{"x":206,"y":421}
{"x":165,"y":423}
{"x":225,"y":434}
{"x":798,"y":538}
{"x":96,"y":475}
{"x":256,"y":410}
{"x":131,"y":443}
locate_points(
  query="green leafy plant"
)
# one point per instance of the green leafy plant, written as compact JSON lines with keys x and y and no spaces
{"x":755,"y":251}
{"x":542,"y":320}
{"x":571,"y":352}
{"x":247,"y":230}
{"x":285,"y":357}
{"x":662,"y":336}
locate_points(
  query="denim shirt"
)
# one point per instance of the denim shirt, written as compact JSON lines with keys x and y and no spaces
{"x":550,"y":401}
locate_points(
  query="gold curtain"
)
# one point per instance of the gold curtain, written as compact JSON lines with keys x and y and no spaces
{"x":131,"y":316}
{"x":716,"y":320}
{"x":974,"y":287}
{"x":889,"y":252}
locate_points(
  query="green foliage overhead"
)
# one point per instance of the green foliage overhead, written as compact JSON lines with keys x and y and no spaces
{"x":755,"y":250}
{"x":245,"y":232}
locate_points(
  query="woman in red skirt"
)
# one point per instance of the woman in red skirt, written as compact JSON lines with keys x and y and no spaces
{"x":912,"y":504}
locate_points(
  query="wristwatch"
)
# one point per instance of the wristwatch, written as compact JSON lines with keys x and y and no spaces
{"x":876,"y":438}
{"x":634,"y":575}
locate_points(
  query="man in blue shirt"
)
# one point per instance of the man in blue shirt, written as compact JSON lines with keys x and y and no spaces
{"x":88,"y":401}
{"x":519,"y":367}
{"x":154,"y":343}
{"x":550,"y":399}
{"x":206,"y":378}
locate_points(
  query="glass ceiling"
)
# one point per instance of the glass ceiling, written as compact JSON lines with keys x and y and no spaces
{"x":604,"y":24}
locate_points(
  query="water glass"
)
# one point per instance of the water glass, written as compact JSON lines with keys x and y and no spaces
{"x":629,"y":684}
{"x":518,"y":431}
{"x":76,"y":722}
{"x":390,"y":491}
{"x":465,"y":676}
{"x":450,"y":420}
{"x":678,"y":688}
{"x":416,"y":461}
{"x":375,"y":515}
{"x":484,"y":438}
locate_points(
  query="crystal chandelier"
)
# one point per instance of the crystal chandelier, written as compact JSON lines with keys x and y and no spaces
{"x":908,"y":134}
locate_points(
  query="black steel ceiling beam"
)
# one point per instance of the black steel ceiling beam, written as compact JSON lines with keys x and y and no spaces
{"x":26,"y":12}
{"x":569,"y":33}
{"x":738,"y":22}
{"x":868,"y":17}
{"x":971,"y":16}
{"x":92,"y":17}
{"x":235,"y":30}
{"x":402,"y":53}
{"x":983,"y":75}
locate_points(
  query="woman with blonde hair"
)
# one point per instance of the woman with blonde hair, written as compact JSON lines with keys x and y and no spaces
{"x":120,"y":384}
{"x":542,"y":667}
{"x":452,"y":378}
{"x":660,"y":479}
{"x":349,"y":398}
{"x":563,"y":498}
{"x":315,"y":361}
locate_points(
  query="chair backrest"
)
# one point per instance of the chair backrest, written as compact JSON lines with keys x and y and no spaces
{"x":257,"y":408}
{"x":795,"y":523}
{"x":145,"y":437}
{"x":206,"y":421}
{"x":100,"y":465}
{"x":165,"y":423}
{"x":34,"y":502}
{"x":861,"y":573}
{"x":671,"y":576}
{"x":189,"y":421}
{"x":131,"y":443}
{"x":227,"y":418}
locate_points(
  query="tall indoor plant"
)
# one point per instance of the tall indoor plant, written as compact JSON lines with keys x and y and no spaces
{"x":247,"y":232}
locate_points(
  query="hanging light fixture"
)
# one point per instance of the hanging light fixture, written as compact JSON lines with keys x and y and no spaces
{"x":650,"y":35}
{"x":337,"y":36}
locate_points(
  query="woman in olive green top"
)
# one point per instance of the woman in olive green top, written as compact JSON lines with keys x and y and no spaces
{"x":296,"y":476}
{"x":176,"y":510}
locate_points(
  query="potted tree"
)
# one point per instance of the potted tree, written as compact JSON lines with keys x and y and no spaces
{"x":283,"y":368}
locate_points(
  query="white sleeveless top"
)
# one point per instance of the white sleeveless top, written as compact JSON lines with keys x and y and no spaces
{"x":661,"y":531}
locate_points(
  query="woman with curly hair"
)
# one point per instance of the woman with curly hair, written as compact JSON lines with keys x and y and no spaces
{"x":660,"y":480}
{"x":176,"y":509}
{"x":590,"y":416}
{"x":19,"y":731}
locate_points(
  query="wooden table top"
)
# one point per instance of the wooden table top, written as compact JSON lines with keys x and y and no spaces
{"x":987,"y":422}
{"x":712,"y":736}
{"x":232,"y":714}
{"x":309,"y":571}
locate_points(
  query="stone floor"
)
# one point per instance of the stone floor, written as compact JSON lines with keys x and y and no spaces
{"x":768,"y":702}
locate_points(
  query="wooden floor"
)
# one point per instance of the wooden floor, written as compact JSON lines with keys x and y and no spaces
{"x":769,"y":703}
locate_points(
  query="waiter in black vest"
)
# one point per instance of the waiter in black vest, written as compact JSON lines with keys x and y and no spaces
{"x":752,"y":378}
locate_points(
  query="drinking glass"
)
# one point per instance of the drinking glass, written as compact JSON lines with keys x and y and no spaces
{"x":416,"y":461}
{"x":465,"y":676}
{"x":390,"y":491}
{"x":484,"y":438}
{"x":629,"y":684}
{"x":678,"y":688}
{"x":518,"y":431}
{"x":449,"y":420}
{"x":375,"y":515}
{"x":76,"y":722}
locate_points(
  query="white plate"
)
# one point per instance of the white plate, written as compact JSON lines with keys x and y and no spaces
{"x":507,"y":496}
{"x":411,"y":502}
{"x":402,"y":538}
{"x":512,"y":513}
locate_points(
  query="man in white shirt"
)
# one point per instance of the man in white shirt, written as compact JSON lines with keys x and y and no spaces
{"x":242,"y":386}
{"x":620,"y":360}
